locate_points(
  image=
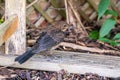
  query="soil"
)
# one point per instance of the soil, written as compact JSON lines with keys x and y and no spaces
{"x":25,"y":74}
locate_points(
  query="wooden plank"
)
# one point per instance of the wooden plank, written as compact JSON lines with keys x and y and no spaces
{"x":8,"y":28}
{"x":17,"y":42}
{"x":72,"y":62}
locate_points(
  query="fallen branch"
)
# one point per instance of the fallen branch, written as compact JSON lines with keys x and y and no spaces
{"x":75,"y":46}
{"x":82,"y":28}
{"x":95,"y":50}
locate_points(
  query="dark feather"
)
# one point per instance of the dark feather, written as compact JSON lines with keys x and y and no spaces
{"x":44,"y":43}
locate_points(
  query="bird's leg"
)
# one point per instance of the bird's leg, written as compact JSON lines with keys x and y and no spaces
{"x":50,"y":52}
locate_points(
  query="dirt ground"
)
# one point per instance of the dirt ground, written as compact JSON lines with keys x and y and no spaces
{"x":26,"y":74}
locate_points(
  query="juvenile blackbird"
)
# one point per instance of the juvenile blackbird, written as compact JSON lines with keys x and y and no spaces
{"x":48,"y":39}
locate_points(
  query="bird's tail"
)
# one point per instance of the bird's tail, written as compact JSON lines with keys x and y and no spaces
{"x":25,"y":56}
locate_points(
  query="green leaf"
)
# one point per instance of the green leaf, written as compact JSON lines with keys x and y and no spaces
{"x":107,"y":27}
{"x":118,"y":44}
{"x":1,"y":21}
{"x":102,"y":7}
{"x":106,"y":40}
{"x":117,"y":36}
{"x":113,"y":13}
{"x":113,"y":43}
{"x":94,"y":34}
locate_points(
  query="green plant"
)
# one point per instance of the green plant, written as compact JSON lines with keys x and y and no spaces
{"x":107,"y":25}
{"x":1,"y":20}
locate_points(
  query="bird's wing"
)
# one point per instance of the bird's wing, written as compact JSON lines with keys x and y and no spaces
{"x":44,"y":43}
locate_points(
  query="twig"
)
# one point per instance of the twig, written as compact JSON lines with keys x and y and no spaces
{"x":9,"y":65}
{"x":107,"y":45}
{"x":69,"y":14}
{"x":95,"y":50}
{"x":82,"y":13}
{"x":2,"y":8}
{"x":31,"y":4}
{"x":66,"y":9}
{"x":82,"y":29}
{"x":57,"y":8}
{"x":31,"y":42}
{"x":92,"y":3}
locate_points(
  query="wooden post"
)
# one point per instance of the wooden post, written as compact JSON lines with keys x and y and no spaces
{"x":16,"y":44}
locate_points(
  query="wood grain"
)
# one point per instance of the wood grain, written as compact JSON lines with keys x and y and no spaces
{"x":5,"y":28}
{"x":11,"y":29}
{"x":72,"y":62}
{"x":16,"y":44}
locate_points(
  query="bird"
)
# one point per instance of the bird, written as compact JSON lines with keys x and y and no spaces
{"x":47,"y":40}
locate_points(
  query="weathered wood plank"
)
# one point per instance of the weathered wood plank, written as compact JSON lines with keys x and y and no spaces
{"x":72,"y":62}
{"x":8,"y":28}
{"x":16,"y":44}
